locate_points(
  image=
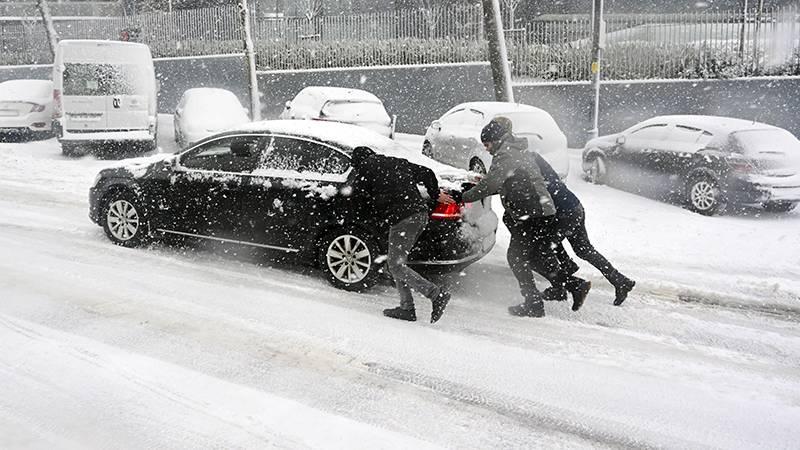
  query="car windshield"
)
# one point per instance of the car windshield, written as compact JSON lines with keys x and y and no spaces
{"x":351,"y":111}
{"x":105,"y":79}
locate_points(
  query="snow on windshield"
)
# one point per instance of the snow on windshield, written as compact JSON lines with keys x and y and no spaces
{"x":90,"y":79}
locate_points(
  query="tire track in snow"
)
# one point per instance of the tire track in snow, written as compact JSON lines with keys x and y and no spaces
{"x":527,"y":412}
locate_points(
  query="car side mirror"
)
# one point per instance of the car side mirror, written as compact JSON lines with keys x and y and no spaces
{"x":620,"y":140}
{"x":436,"y":125}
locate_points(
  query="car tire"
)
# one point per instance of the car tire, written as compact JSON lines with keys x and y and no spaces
{"x":348,"y":256}
{"x":476,"y":165}
{"x":780,"y":207}
{"x":598,"y":171}
{"x":704,"y":196}
{"x":125,"y":220}
{"x":427,"y":149}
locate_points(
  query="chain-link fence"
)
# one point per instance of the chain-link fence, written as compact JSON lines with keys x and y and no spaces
{"x":691,"y":45}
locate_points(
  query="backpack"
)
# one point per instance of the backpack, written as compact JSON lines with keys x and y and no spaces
{"x":521,"y":200}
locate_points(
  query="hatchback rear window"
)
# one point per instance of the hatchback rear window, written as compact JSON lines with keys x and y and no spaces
{"x":758,"y":142}
{"x":105,"y":79}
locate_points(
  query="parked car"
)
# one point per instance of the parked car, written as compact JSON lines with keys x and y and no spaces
{"x":105,"y":96}
{"x":707,"y":161}
{"x":336,"y":104}
{"x":202,"y":112}
{"x":454,"y":138}
{"x":26,"y":107}
{"x":281,"y":186}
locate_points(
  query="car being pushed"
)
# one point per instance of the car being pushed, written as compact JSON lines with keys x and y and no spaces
{"x":708,"y":162}
{"x":455,"y":138}
{"x":282,"y":186}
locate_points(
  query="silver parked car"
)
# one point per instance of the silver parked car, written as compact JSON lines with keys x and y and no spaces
{"x":454,"y":139}
{"x":709,"y":162}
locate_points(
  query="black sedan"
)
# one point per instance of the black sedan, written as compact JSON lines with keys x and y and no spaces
{"x":708,"y":162}
{"x":281,"y":186}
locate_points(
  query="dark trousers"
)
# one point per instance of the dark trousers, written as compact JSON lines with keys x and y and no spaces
{"x":532,"y":249}
{"x":402,"y":237}
{"x":572,"y":226}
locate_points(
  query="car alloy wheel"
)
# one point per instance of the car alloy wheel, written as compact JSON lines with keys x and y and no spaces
{"x":476,"y":165}
{"x":597,"y":171}
{"x":125,"y":223}
{"x":348,"y":259}
{"x":123,"y":220}
{"x":705,"y":197}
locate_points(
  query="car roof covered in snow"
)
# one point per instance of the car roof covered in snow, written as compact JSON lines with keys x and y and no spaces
{"x":495,"y":108}
{"x":24,"y":90}
{"x":317,"y":96}
{"x":717,"y":125}
{"x":346,"y":137}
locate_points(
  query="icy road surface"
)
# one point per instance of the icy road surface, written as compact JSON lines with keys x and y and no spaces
{"x":102,"y":346}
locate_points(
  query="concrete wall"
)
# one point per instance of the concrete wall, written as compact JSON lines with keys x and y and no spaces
{"x":420,"y":94}
{"x":416,"y":94}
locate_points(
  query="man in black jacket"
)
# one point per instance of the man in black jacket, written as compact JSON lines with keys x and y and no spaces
{"x":389,"y":188}
{"x":571,"y":224}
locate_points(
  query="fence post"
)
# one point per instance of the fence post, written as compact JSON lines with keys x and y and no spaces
{"x":597,"y":53}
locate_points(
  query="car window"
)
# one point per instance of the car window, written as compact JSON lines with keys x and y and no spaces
{"x":685,"y":134}
{"x":230,"y":154}
{"x":105,"y":79}
{"x":299,"y":155}
{"x":650,"y":132}
{"x":455,"y":118}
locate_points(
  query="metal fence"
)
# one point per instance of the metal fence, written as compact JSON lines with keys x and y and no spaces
{"x":691,"y":45}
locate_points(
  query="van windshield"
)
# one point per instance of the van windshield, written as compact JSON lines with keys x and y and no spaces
{"x":105,"y":79}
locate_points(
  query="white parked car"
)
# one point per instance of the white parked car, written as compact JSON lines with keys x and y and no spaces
{"x":336,"y":104}
{"x":105,"y":95}
{"x":26,"y":106}
{"x":454,"y":139}
{"x":202,"y":112}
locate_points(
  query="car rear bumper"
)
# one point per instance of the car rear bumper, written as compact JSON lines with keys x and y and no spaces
{"x":456,"y":244}
{"x":758,"y":192}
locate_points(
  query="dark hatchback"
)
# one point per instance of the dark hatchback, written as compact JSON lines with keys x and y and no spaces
{"x":708,"y":162}
{"x":281,"y":186}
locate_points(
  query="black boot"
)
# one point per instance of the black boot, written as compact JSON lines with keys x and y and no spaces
{"x":553,"y":294}
{"x":622,"y":285}
{"x":528,"y":309}
{"x":439,"y":304}
{"x":401,"y":314}
{"x":579,"y":288}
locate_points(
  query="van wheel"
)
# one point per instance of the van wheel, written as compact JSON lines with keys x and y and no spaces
{"x":347,"y":257}
{"x":70,"y":150}
{"x":704,"y":196}
{"x":124,"y":220}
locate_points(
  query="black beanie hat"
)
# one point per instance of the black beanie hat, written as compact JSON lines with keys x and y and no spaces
{"x":360,"y":154}
{"x":493,"y":132}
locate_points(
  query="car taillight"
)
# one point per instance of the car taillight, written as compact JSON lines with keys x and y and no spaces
{"x":58,"y":111}
{"x":36,"y":108}
{"x":450,"y":211}
{"x":742,"y":165}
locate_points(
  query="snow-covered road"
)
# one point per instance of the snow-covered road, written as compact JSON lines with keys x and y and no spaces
{"x":102,"y":346}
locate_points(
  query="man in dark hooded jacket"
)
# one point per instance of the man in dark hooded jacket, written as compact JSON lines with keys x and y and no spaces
{"x":571,"y":225}
{"x":529,"y":216}
{"x":401,"y":195}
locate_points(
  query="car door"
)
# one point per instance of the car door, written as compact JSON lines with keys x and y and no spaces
{"x":637,"y":155}
{"x":205,"y":194}
{"x":293,"y":191}
{"x":674,"y":158}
